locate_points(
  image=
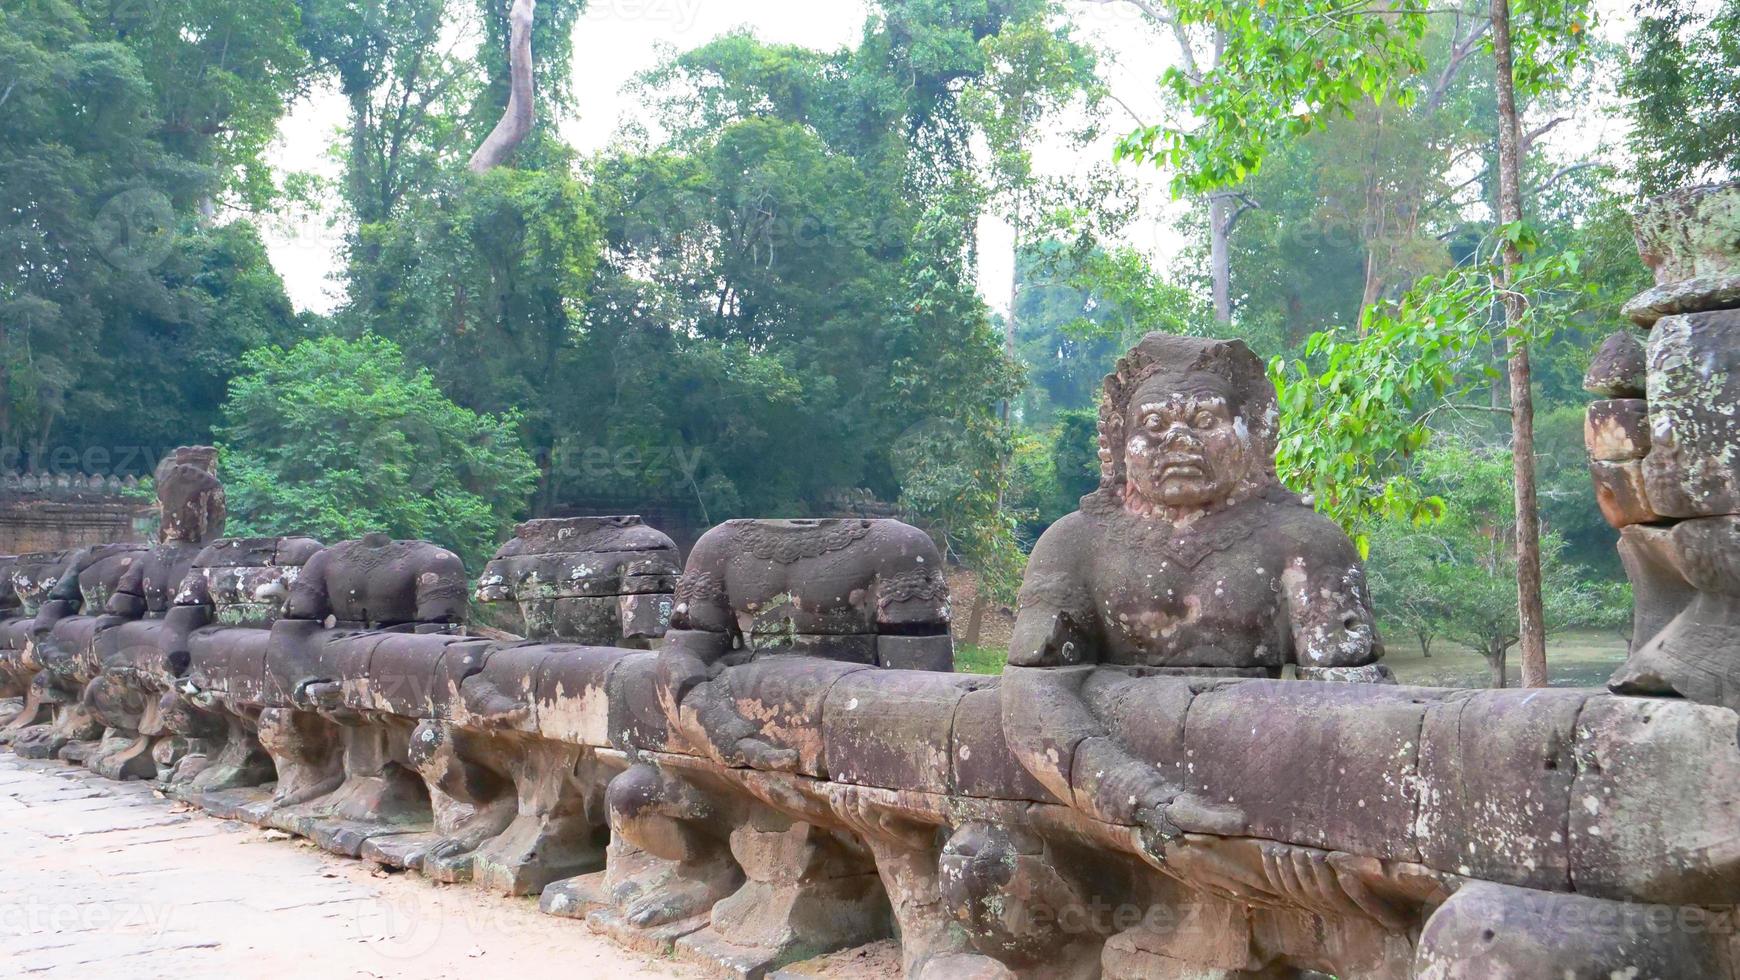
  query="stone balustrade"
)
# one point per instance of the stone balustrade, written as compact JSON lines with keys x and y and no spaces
{"x":764,"y":755}
{"x":1382,"y":830}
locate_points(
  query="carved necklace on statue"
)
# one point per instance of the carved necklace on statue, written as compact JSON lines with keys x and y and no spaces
{"x":1188,"y":545}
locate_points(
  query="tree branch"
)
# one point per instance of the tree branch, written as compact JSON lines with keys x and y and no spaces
{"x":1245,"y":204}
{"x":1459,"y":54}
{"x":1158,"y":15}
{"x":1562,"y":174}
{"x":516,"y":123}
{"x":1165,"y":19}
{"x":1528,"y":140}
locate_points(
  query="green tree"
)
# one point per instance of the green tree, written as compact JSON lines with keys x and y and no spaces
{"x":1360,"y":406}
{"x":172,"y":352}
{"x":1455,"y":578}
{"x":1682,"y":85}
{"x":122,"y":128}
{"x":485,"y":278}
{"x":337,"y":439}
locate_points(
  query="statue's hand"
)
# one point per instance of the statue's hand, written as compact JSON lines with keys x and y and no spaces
{"x":1163,"y":824}
{"x":753,"y":753}
{"x":1195,"y":815}
{"x":323,"y":695}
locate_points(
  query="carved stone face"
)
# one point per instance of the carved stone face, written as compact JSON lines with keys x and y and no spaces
{"x":1187,"y":448}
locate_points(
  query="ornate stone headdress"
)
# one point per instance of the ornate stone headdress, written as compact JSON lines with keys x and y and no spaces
{"x":1253,"y":397}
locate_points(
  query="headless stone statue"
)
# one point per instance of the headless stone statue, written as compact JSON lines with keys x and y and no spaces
{"x":377,"y":582}
{"x":28,"y":579}
{"x":769,"y":614}
{"x":13,"y":683}
{"x":61,"y":648}
{"x":221,"y":619}
{"x":604,"y":580}
{"x":862,"y":592}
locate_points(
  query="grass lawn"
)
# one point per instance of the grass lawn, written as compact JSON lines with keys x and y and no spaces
{"x":1577,"y":659}
{"x":980,"y":659}
{"x":1574,"y":659}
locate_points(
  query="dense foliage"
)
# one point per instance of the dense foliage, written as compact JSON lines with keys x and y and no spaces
{"x":127,"y":302}
{"x":1682,"y":82}
{"x":336,"y":439}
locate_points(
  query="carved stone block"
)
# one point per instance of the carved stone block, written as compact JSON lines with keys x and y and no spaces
{"x":1647,"y":822}
{"x":1693,"y":467}
{"x":573,"y":694}
{"x":601,"y":580}
{"x":932,"y":653}
{"x":984,"y":765}
{"x":1493,"y":932}
{"x":1620,"y":368}
{"x":1617,"y":430}
{"x":1621,"y":493}
{"x":1497,"y":771}
{"x":1367,"y":736}
{"x":1696,"y":654}
{"x":892,"y":729}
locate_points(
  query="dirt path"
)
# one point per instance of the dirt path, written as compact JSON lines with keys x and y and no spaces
{"x":106,"y":880}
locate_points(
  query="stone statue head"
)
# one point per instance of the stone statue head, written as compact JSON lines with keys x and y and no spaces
{"x":1187,"y":426}
{"x":189,"y":496}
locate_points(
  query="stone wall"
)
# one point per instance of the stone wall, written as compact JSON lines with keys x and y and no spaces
{"x":45,"y":514}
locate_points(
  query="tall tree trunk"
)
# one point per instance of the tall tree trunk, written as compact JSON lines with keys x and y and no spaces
{"x":1219,"y":254}
{"x":976,"y":620}
{"x":1374,"y":283}
{"x":1011,"y":322}
{"x":516,"y":123}
{"x":1530,"y":603}
{"x":6,"y":397}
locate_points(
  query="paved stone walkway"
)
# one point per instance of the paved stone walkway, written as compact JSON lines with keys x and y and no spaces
{"x":108,"y":880}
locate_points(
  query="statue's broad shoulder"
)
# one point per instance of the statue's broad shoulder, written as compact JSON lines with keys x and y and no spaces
{"x":1191,"y":557}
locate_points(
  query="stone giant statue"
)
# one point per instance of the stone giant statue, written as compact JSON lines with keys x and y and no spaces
{"x":1192,"y":560}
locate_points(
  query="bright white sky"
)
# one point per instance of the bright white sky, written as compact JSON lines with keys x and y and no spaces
{"x":617,"y":39}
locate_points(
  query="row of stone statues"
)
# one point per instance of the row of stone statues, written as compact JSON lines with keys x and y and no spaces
{"x":763,"y":754}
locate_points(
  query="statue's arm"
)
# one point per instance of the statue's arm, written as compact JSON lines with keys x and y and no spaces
{"x":441,"y":590}
{"x":128,"y":602}
{"x":65,"y":599}
{"x":1048,"y":697}
{"x":308,"y":597}
{"x":1048,"y":719}
{"x":1333,"y":626}
{"x":702,"y":634}
{"x":193,"y":609}
{"x":702,"y":625}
